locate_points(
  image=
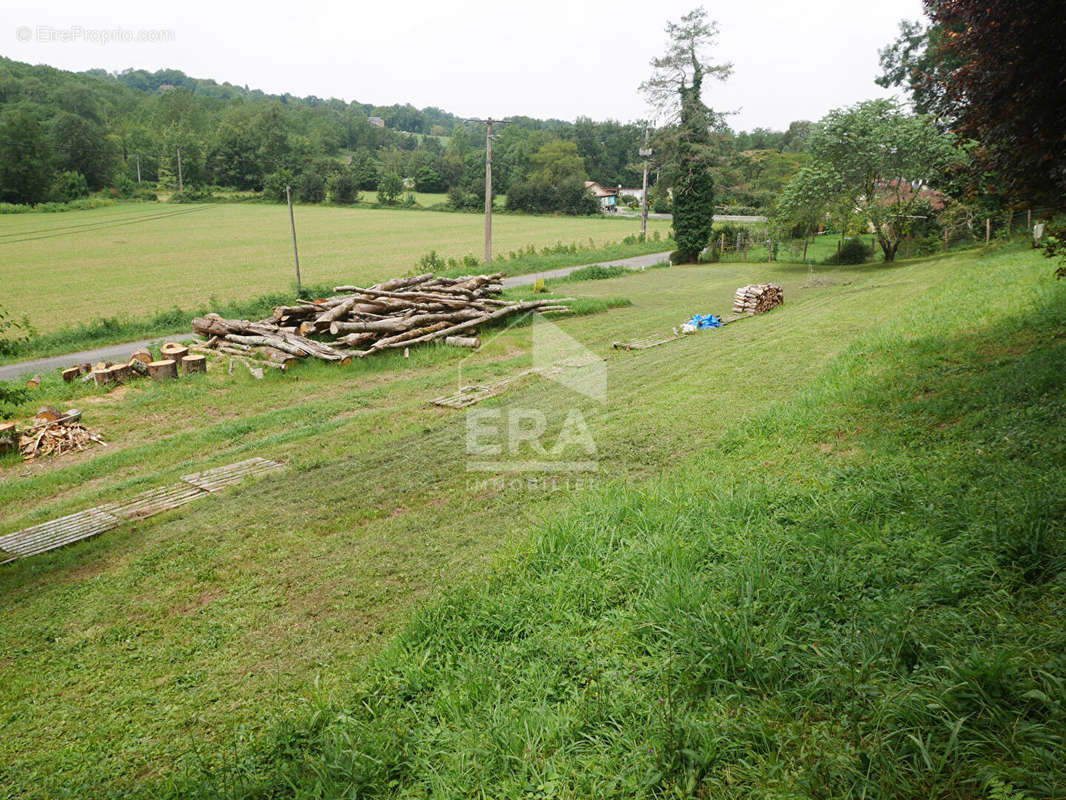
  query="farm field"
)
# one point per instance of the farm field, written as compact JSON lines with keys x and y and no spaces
{"x":63,"y":269}
{"x":189,"y":632}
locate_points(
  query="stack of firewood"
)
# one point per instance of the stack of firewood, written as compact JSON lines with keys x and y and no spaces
{"x":361,"y":321}
{"x":50,"y":433}
{"x":757,"y":298}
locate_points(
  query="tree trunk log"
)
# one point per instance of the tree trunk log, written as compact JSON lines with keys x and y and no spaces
{"x":70,"y":373}
{"x":174,"y":351}
{"x":164,"y":369}
{"x":472,"y":342}
{"x":142,"y":355}
{"x":191,"y":364}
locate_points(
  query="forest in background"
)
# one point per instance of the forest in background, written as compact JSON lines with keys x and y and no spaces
{"x":64,"y":135}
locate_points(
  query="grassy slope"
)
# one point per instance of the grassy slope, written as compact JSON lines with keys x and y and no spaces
{"x":856,"y":594}
{"x":140,"y":259}
{"x":163,"y":637}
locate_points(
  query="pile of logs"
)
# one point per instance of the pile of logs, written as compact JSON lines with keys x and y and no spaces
{"x":173,"y":357}
{"x":394,"y":314}
{"x":757,"y":298}
{"x":50,"y":433}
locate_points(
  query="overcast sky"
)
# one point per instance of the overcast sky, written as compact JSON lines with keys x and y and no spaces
{"x":546,"y":58}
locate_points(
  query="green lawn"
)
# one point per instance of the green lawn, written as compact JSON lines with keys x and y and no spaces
{"x":782,"y":508}
{"x":63,"y":269}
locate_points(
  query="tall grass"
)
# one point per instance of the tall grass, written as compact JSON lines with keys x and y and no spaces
{"x":856,"y":595}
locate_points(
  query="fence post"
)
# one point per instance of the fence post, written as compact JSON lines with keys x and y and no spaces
{"x":988,"y":231}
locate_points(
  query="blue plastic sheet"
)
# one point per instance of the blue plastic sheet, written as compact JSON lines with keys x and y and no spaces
{"x":703,"y":321}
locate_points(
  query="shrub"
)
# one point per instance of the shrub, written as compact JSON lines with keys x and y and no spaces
{"x":431,"y":262}
{"x":274,"y":185}
{"x":853,"y":251}
{"x":311,"y":188}
{"x":389,"y":188}
{"x":409,"y":200}
{"x":343,"y":188}
{"x":428,"y":180}
{"x":13,"y":334}
{"x":68,"y":186}
{"x":661,"y":203}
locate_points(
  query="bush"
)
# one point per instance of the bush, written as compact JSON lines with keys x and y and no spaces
{"x":274,"y":185}
{"x":853,"y":251}
{"x":661,"y":203}
{"x":544,"y":197}
{"x":428,"y":180}
{"x":13,"y":334}
{"x":343,"y":188}
{"x":409,"y":200}
{"x":389,"y":188}
{"x":311,"y":188}
{"x":463,"y":201}
{"x":68,"y":186}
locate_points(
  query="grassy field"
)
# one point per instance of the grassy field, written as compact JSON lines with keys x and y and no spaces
{"x":63,"y":269}
{"x":822,"y":556}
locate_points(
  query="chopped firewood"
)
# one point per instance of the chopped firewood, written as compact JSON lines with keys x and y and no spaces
{"x":33,"y":382}
{"x":163,"y":369}
{"x":55,"y":438}
{"x":757,"y":298}
{"x":9,"y":437}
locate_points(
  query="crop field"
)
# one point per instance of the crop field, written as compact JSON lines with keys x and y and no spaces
{"x":63,"y":269}
{"x":168,"y":644}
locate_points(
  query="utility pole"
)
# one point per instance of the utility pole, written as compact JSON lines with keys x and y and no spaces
{"x":292,"y":224}
{"x":645,"y":152}
{"x":488,"y":123}
{"x":488,"y":190}
{"x":181,"y":186}
{"x":138,"y":168}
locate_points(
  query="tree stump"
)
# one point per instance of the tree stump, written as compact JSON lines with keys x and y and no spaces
{"x":70,"y":373}
{"x":47,"y":414}
{"x":119,"y":373}
{"x":141,"y":355}
{"x":173,"y":351}
{"x":101,"y":376}
{"x":33,"y":382}
{"x":164,"y":369}
{"x":191,"y":364}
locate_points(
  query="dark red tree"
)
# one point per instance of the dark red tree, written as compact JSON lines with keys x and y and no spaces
{"x":1006,"y":89}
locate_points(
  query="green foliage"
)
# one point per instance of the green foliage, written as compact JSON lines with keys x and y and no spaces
{"x":429,"y":180}
{"x":25,"y":158}
{"x":275,"y":183}
{"x":311,"y":187}
{"x":389,"y":188}
{"x":853,"y":251}
{"x":343,"y":188}
{"x":555,"y":183}
{"x":67,"y":187}
{"x":13,"y":334}
{"x":661,"y":203}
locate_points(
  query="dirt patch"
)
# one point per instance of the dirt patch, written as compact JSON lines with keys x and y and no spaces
{"x":204,"y":600}
{"x":114,"y":395}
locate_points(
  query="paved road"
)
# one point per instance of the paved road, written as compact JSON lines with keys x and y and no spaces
{"x":120,"y":352}
{"x":717,"y":217}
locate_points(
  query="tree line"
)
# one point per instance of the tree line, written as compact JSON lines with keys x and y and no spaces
{"x":65,"y":134}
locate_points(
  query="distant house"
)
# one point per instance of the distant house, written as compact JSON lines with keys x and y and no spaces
{"x":377,"y":121}
{"x":608,"y":195}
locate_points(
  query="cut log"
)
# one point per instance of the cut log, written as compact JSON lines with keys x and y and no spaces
{"x":101,"y":376}
{"x":143,"y":355}
{"x":85,"y":368}
{"x":47,"y":414}
{"x":119,"y":373}
{"x":174,"y":351}
{"x":472,"y":342}
{"x":70,"y":373}
{"x":138,"y":367}
{"x":33,"y":382}
{"x":67,"y":417}
{"x":191,"y":364}
{"x":162,"y":370}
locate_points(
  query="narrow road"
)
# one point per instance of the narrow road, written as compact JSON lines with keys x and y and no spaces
{"x":120,"y":352}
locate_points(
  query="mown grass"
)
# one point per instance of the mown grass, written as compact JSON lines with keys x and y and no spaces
{"x":153,"y":658}
{"x":855,"y":594}
{"x":140,"y":260}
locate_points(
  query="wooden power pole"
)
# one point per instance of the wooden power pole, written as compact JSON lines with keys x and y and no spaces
{"x":645,"y":152}
{"x":488,"y":190}
{"x":138,"y":168}
{"x":181,"y":186}
{"x":292,"y":225}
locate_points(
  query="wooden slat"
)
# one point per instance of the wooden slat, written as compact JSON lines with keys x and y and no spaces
{"x":84,"y":524}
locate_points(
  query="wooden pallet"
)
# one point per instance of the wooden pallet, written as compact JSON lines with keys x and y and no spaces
{"x":94,"y":521}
